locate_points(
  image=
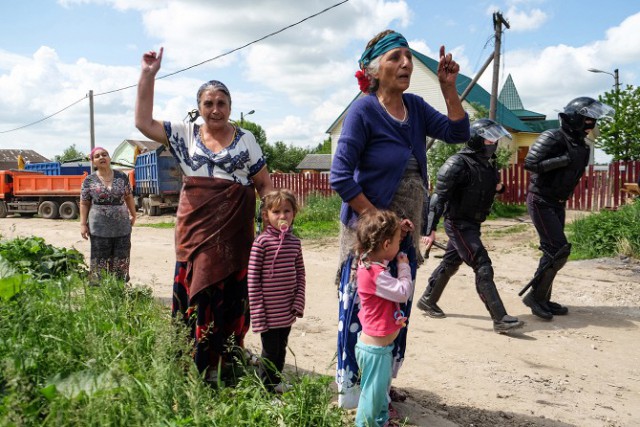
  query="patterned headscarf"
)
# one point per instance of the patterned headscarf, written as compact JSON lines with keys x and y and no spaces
{"x":212,"y":85}
{"x":382,"y":46}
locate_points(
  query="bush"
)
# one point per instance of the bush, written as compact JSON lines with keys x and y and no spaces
{"x":81,"y":355}
{"x":320,"y":217}
{"x":607,"y":233}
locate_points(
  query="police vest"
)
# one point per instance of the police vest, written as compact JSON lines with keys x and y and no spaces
{"x":473,"y":201}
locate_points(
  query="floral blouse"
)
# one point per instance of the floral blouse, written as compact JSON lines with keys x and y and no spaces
{"x":108,"y":215}
{"x":238,"y":162}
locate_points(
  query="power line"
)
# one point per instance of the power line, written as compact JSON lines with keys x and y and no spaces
{"x":187,"y":68}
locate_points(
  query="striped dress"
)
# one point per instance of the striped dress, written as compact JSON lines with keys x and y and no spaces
{"x":276,"y":280}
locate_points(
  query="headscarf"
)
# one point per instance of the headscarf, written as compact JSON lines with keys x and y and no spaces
{"x":382,"y":46}
{"x":212,"y":85}
{"x":96,"y":149}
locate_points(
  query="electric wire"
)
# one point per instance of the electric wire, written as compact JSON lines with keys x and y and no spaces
{"x":187,"y":68}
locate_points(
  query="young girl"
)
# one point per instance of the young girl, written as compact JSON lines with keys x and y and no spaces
{"x":378,"y":237}
{"x":276,"y":283}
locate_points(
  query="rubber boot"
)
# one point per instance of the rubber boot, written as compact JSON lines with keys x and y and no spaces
{"x":428,"y":302}
{"x":486,"y":288}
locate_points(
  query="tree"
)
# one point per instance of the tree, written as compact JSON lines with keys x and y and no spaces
{"x":620,"y":137}
{"x":324,"y":147}
{"x":285,"y":159}
{"x":70,"y":153}
{"x":257,"y":131}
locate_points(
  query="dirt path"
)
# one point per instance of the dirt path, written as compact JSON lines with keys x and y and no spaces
{"x":578,"y":370}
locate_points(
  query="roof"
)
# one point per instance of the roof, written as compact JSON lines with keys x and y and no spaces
{"x":144,"y":145}
{"x":315,"y":162}
{"x":477,"y":94}
{"x":509,"y":95}
{"x":11,"y":155}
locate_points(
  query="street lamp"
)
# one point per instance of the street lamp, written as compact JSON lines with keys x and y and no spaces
{"x":242,"y":115}
{"x":614,"y":75}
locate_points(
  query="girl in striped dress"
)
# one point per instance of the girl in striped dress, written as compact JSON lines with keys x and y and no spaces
{"x":276,"y":283}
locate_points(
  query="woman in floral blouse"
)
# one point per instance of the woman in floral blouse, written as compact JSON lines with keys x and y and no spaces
{"x":107,"y":213}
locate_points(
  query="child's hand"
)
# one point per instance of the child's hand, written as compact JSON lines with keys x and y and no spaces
{"x":402,"y":258}
{"x":296,"y":313}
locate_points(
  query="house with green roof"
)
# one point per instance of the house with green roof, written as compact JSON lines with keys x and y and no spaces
{"x":524,"y":125}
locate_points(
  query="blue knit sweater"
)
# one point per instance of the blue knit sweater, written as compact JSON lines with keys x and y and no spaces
{"x":373,"y":149}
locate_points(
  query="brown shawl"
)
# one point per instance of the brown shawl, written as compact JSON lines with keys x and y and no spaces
{"x":214,"y":229}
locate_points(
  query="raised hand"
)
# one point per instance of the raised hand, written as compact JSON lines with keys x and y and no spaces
{"x":151,"y":61}
{"x":448,"y":69}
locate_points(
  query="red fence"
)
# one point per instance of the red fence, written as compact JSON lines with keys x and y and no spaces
{"x":303,"y":184}
{"x":598,"y":189}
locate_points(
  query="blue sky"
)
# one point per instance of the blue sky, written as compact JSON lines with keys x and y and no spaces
{"x":298,"y":82}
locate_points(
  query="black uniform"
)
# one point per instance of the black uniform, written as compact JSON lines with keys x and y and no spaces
{"x":557,"y":161}
{"x":465,"y":190}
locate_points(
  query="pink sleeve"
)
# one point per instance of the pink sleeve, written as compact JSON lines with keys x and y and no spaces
{"x":392,"y":289}
{"x":254,"y":283}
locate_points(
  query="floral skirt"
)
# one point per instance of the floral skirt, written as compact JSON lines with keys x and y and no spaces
{"x":110,"y":255}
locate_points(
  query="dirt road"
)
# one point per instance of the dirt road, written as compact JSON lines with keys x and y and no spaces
{"x":578,"y":370}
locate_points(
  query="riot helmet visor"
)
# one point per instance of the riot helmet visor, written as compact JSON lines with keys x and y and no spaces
{"x":597,"y":110}
{"x":493,"y":132}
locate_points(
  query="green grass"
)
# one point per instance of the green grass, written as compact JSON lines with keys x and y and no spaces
{"x":158,"y":225}
{"x":607,"y":233}
{"x":320,"y":217}
{"x":503,"y":210}
{"x":77,"y":355}
{"x":512,"y":229}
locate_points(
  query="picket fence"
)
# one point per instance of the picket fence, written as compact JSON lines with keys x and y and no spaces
{"x":598,"y":189}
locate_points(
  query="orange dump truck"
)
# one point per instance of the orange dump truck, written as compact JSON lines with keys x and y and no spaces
{"x":49,"y":196}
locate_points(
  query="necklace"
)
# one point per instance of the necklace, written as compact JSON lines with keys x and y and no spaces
{"x":233,"y":137}
{"x":404,"y":107}
{"x":104,"y":179}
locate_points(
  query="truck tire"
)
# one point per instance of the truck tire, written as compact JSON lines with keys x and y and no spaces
{"x":48,"y":210}
{"x":154,"y":210}
{"x":3,"y":209}
{"x":69,"y":210}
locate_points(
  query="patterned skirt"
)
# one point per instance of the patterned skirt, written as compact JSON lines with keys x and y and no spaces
{"x":109,"y":255}
{"x":217,"y":317}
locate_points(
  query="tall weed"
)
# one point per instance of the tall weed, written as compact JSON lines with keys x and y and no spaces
{"x":607,"y":233}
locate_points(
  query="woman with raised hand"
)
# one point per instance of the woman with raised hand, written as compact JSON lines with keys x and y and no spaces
{"x":223,"y":167}
{"x":381,"y":163}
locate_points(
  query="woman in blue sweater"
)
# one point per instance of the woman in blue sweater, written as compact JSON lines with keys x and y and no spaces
{"x":381,"y":163}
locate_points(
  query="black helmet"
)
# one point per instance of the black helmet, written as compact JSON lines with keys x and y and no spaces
{"x":485,"y":129}
{"x":580,"y":110}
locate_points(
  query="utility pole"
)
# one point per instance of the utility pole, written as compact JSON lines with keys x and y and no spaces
{"x":92,"y":129}
{"x":498,"y":21}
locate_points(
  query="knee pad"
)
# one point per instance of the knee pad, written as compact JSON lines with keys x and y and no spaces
{"x":560,"y":258}
{"x":484,"y":273}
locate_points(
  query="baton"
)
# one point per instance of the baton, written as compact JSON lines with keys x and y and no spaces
{"x":437,"y":245}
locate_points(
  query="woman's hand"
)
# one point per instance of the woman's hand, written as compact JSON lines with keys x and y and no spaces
{"x":151,"y":61}
{"x":406,"y":227}
{"x":448,"y":69}
{"x":133,"y":220}
{"x":84,"y":231}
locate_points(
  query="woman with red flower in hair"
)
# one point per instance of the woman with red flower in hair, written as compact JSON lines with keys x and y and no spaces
{"x":381,"y":163}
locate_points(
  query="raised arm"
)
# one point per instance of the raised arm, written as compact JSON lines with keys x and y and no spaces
{"x":448,"y":70}
{"x":152,"y":129}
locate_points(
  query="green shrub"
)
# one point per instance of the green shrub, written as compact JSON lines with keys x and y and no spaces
{"x":79,"y":355}
{"x":320,"y":217}
{"x":607,"y":233}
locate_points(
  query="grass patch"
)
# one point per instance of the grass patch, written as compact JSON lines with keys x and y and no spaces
{"x":158,"y":225}
{"x":512,"y":229}
{"x":503,"y":210}
{"x":607,"y":233}
{"x":78,"y":355}
{"x":320,"y":217}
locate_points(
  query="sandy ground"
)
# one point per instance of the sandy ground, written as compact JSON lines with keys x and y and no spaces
{"x":577,"y":370}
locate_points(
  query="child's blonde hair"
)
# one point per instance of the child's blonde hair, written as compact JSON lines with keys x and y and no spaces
{"x":276,"y":198}
{"x":374,"y":227}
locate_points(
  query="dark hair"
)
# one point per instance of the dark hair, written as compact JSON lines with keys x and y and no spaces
{"x":374,"y":227}
{"x":276,"y":198}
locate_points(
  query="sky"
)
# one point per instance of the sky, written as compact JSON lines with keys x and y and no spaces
{"x":297,"y":82}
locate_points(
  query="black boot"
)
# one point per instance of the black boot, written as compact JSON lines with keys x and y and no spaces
{"x":486,"y":288}
{"x":537,"y":297}
{"x":437,"y":282}
{"x":538,"y":308}
{"x":555,"y":308}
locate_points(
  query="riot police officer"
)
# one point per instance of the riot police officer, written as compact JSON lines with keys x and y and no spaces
{"x":557,"y":161}
{"x":466,"y":185}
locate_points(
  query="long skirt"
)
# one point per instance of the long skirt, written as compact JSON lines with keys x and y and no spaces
{"x":110,"y":255}
{"x":217,"y":317}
